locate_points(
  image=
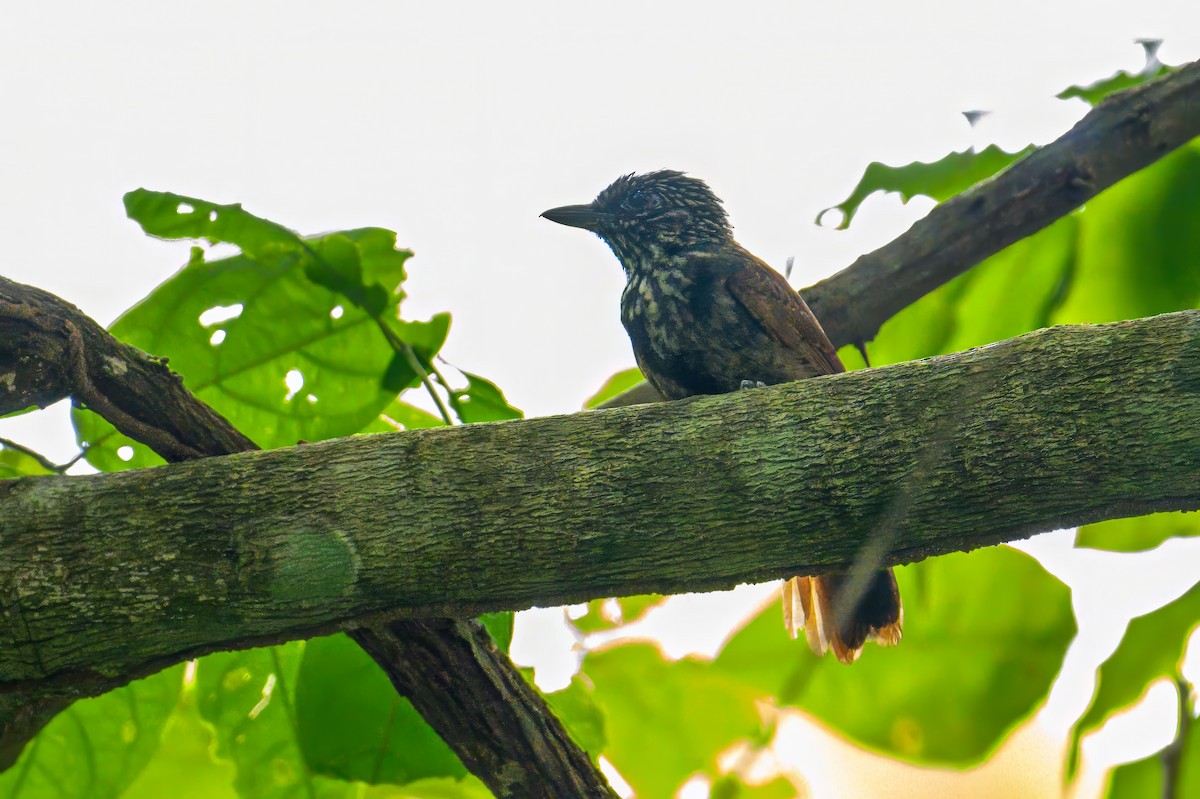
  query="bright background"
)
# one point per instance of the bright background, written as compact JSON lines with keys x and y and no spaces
{"x":456,"y":124}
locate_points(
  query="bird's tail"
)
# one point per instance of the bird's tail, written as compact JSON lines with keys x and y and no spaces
{"x":814,"y":604}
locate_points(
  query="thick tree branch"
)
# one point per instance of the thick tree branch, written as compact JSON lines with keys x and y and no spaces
{"x":1057,"y":428}
{"x":49,"y":350}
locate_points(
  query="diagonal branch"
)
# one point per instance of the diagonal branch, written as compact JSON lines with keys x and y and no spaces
{"x":48,"y":350}
{"x":1057,"y":428}
{"x":1128,"y":131}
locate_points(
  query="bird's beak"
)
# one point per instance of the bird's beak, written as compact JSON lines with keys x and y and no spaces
{"x":584,"y":216}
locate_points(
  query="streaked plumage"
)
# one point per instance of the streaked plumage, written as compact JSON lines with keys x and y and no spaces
{"x":703,"y":315}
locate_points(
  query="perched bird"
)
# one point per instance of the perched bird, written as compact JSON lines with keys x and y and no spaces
{"x":707,"y":317}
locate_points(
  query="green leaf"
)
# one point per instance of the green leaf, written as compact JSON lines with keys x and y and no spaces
{"x":1093,"y":93}
{"x":941,"y":179}
{"x":15,"y":463}
{"x":174,"y":216}
{"x":667,"y":721}
{"x":1137,"y":245}
{"x":1151,"y":649}
{"x":236,"y":327}
{"x":338,"y":267}
{"x":97,"y":747}
{"x":575,"y":706}
{"x":1138,"y":534}
{"x":248,"y":698}
{"x":984,"y":637}
{"x":352,"y":725}
{"x":621,"y":381}
{"x":1141,"y":779}
{"x":1189,"y":762}
{"x":425,"y":338}
{"x":1144,"y":778}
{"x":481,"y":401}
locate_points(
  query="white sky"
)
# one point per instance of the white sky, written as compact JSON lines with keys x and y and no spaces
{"x":456,"y":124}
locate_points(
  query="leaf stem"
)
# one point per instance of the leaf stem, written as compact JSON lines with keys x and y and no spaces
{"x":404,"y":348}
{"x":1172,"y":755}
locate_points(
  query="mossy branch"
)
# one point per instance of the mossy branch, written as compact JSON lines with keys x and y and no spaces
{"x":107,"y":573}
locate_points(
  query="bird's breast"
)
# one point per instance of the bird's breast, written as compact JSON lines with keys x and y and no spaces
{"x":691,"y":335}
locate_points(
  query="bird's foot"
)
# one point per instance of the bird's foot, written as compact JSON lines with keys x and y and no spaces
{"x":751,"y":384}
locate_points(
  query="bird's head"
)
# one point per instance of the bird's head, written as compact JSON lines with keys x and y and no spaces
{"x":645,"y":217}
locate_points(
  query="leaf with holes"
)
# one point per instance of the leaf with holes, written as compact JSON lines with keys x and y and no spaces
{"x":279,"y":356}
{"x":614,"y":612}
{"x":174,"y":216}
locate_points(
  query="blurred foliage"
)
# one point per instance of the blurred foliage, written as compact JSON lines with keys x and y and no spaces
{"x":1149,"y":776}
{"x":97,"y":747}
{"x":301,"y":338}
{"x":1151,"y":650}
{"x":984,"y":636}
{"x":1138,"y":534}
{"x":667,"y":721}
{"x":352,"y":724}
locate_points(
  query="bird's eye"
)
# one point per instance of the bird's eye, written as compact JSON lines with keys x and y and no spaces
{"x":644,"y":200}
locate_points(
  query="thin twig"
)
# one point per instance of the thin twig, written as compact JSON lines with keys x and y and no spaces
{"x":42,"y":460}
{"x":404,"y":348}
{"x":1171,"y":756}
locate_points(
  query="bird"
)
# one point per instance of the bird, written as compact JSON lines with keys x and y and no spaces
{"x":705,"y":316}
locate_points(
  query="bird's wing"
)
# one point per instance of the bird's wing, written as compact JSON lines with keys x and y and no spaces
{"x":783,"y":313}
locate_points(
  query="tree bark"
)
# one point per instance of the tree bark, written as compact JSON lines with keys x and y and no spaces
{"x":110,"y":573}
